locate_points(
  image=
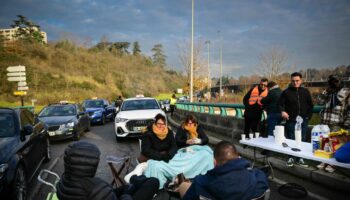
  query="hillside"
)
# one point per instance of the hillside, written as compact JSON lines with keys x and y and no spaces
{"x":63,"y":70}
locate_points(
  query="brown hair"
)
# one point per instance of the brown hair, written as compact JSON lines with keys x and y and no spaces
{"x":225,"y":151}
{"x":191,"y":118}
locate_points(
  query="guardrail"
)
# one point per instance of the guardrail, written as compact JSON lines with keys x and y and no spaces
{"x":223,"y":109}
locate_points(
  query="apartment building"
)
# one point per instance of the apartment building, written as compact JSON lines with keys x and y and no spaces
{"x":10,"y":33}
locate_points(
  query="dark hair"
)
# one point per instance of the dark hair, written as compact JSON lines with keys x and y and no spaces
{"x":271,"y":84}
{"x":296,"y":74}
{"x":192,"y":118}
{"x":174,"y":96}
{"x":264,"y":80}
{"x":224,"y":151}
{"x":158,"y":117}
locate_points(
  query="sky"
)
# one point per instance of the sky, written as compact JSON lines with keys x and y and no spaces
{"x":311,"y":33}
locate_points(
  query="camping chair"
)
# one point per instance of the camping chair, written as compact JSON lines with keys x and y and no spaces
{"x":123,"y":162}
{"x":44,"y":174}
{"x":264,"y":196}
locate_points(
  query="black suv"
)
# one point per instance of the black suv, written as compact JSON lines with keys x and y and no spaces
{"x":24,"y":145}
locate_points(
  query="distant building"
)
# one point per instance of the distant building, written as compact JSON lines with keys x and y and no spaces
{"x":10,"y":34}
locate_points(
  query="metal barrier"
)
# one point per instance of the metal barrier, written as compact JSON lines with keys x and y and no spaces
{"x":235,"y":110}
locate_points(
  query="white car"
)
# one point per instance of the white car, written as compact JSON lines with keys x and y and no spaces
{"x":135,"y":115}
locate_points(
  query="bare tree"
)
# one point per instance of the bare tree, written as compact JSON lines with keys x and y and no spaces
{"x":198,"y":61}
{"x":272,"y":62}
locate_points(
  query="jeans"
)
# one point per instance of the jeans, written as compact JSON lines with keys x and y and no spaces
{"x":273,"y":119}
{"x":290,"y":126}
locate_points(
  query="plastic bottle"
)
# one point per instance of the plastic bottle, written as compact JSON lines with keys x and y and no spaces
{"x":315,"y":137}
{"x":297,"y":131}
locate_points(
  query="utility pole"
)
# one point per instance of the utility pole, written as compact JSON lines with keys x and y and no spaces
{"x":191,"y":82}
{"x":209,"y":79}
{"x":220,"y":93}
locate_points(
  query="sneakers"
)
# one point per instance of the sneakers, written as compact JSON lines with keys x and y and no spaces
{"x":290,"y":162}
{"x":302,"y":163}
{"x":329,"y":169}
{"x":139,"y":169}
{"x":321,"y":166}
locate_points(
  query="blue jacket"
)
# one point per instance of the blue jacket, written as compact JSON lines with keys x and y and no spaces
{"x":228,"y":182}
{"x":343,"y":153}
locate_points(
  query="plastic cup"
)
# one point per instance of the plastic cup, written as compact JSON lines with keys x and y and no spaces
{"x":243,"y":136}
{"x":251,"y":135}
{"x":257,"y":134}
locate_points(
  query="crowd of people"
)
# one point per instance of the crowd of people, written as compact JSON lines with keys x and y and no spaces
{"x":285,"y":106}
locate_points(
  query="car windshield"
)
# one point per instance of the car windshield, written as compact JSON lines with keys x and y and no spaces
{"x":7,"y":125}
{"x":142,"y":104}
{"x":93,"y":104}
{"x":61,"y":110}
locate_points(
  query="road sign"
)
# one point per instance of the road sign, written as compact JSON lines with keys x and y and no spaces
{"x":16,"y":78}
{"x":16,"y":74}
{"x":23,"y":88}
{"x":18,"y":68}
{"x":22,"y":83}
{"x":20,"y":93}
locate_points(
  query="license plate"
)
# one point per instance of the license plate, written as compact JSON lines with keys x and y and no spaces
{"x":140,"y":128}
{"x":51,"y":133}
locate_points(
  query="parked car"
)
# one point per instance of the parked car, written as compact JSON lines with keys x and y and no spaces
{"x":24,"y":145}
{"x":65,"y":120}
{"x":165,"y":105}
{"x":100,"y":110}
{"x":135,"y":115}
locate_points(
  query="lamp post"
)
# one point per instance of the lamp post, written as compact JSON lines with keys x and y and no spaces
{"x":209,"y":79}
{"x":191,"y":81}
{"x":220,"y":93}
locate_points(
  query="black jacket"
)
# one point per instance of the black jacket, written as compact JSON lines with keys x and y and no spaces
{"x":152,"y":146}
{"x":296,"y":101}
{"x":252,"y":111}
{"x":182,"y":136}
{"x":270,"y":102}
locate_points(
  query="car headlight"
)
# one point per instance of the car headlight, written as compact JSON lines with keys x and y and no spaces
{"x":68,"y":125}
{"x":99,"y":112}
{"x":117,"y":119}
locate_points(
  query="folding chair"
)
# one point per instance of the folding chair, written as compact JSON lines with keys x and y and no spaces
{"x":44,"y":174}
{"x":123,"y":162}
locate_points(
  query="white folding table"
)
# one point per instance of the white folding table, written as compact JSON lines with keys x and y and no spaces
{"x":305,"y":147}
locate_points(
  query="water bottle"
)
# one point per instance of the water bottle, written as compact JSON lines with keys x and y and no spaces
{"x":315,"y":137}
{"x":297,"y":131}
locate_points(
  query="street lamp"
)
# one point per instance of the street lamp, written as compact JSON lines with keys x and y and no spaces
{"x":220,"y":93}
{"x":209,"y":79}
{"x":191,"y":82}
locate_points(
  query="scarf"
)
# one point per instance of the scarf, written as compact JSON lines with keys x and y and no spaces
{"x":159,"y":133}
{"x":192,"y":130}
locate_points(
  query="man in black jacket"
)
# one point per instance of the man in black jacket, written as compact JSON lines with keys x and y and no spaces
{"x":296,"y":101}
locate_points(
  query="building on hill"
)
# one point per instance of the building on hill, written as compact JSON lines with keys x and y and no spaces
{"x":10,"y":34}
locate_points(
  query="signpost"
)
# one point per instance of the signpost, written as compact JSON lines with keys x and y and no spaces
{"x":18,"y":74}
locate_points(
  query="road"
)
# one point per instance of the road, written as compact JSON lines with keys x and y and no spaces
{"x":104,"y":138}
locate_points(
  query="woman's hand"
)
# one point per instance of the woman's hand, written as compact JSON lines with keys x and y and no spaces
{"x":190,"y":141}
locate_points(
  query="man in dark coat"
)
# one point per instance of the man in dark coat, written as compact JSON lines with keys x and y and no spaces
{"x":253,"y":106}
{"x":296,"y":101}
{"x":270,"y":103}
{"x":230,"y":179}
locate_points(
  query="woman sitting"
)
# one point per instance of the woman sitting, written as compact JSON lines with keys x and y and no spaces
{"x":190,"y":133}
{"x":158,"y":143}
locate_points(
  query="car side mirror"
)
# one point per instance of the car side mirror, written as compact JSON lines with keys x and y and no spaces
{"x":27,"y":130}
{"x":105,"y":106}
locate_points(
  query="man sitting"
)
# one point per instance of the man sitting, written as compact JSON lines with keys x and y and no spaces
{"x":230,"y":179}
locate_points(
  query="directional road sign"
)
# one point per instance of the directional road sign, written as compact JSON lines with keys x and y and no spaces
{"x":16,"y":74}
{"x":23,"y":88}
{"x":20,"y":93}
{"x":18,"y":68}
{"x":22,"y":83}
{"x":17,"y":78}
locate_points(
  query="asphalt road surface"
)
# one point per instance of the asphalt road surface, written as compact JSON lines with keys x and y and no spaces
{"x":104,"y":138}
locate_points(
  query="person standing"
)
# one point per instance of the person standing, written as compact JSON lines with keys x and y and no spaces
{"x":296,"y":101}
{"x":118,"y":102}
{"x":270,"y":102}
{"x":334,"y":113}
{"x":253,"y":106}
{"x":172,"y":104}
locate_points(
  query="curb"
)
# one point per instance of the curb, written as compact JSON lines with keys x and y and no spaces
{"x":38,"y":185}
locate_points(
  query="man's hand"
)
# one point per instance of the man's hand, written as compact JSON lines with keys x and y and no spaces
{"x":285,"y":115}
{"x":182,"y":189}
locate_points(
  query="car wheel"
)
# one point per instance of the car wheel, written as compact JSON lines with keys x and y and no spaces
{"x":76,"y":136}
{"x":119,"y":139}
{"x":48,"y":151}
{"x":19,"y":191}
{"x":88,"y":127}
{"x":103,"y":120}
